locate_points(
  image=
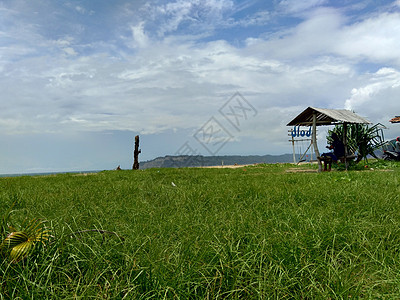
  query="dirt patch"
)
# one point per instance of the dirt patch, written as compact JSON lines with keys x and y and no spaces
{"x":228,"y":166}
{"x":84,"y":174}
{"x":296,"y":170}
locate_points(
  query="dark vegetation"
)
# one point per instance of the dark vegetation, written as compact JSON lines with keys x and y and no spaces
{"x":362,"y":139}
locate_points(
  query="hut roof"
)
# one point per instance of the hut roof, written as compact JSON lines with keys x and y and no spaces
{"x":396,"y":119}
{"x":327,"y":117}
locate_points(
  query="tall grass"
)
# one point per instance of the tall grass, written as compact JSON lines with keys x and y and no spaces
{"x":255,"y":232}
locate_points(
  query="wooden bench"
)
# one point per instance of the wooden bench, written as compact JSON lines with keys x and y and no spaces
{"x":349,"y":157}
{"x":328,"y":161}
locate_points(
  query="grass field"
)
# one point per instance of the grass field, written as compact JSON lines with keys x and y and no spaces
{"x":256,"y":232}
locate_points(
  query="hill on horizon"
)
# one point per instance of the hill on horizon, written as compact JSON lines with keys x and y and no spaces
{"x":181,"y":161}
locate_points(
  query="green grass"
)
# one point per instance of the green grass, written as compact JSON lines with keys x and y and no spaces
{"x":257,"y":232}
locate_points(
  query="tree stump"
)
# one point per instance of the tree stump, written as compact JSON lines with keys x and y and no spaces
{"x":136,"y":154}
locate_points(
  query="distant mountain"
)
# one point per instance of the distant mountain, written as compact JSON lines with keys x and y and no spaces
{"x":203,"y":161}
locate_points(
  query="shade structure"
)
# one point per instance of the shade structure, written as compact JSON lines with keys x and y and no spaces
{"x":396,"y":119}
{"x":326,"y":116}
{"x":314,"y":117}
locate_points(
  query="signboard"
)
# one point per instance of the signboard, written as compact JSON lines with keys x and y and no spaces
{"x":296,"y":132}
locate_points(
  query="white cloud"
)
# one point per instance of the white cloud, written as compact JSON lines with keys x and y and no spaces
{"x":169,"y":83}
{"x":70,"y":51}
{"x":80,"y":9}
{"x":374,"y":39}
{"x":259,"y":18}
{"x":326,"y":32}
{"x":378,"y":97}
{"x":383,"y":79}
{"x":199,"y":15}
{"x":315,"y":36}
{"x":295,"y":6}
{"x":140,"y":38}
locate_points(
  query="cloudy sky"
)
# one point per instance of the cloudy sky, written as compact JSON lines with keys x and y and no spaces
{"x":79,"y":79}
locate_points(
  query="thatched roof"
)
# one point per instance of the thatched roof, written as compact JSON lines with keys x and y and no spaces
{"x":327,"y":117}
{"x":396,"y":119}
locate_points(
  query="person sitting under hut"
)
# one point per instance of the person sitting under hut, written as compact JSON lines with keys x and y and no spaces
{"x":397,"y":143}
{"x":338,"y":151}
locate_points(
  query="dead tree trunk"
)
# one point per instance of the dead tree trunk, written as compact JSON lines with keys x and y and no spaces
{"x":136,"y":154}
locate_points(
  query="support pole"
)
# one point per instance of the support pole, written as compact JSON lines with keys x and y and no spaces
{"x":294,"y":153}
{"x":314,"y":141}
{"x":345,"y":144}
{"x":136,"y":154}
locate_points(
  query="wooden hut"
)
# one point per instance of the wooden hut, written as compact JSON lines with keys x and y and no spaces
{"x":396,"y":119}
{"x":314,"y":117}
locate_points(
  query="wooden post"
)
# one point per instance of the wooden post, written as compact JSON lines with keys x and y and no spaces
{"x":136,"y":154}
{"x":314,"y":141}
{"x":294,"y":153}
{"x":345,"y":144}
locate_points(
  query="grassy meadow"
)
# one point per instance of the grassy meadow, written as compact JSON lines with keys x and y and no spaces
{"x":259,"y":232}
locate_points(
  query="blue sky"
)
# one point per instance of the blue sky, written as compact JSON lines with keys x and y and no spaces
{"x":79,"y":79}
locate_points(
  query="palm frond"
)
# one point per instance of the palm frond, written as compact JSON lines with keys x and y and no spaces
{"x":19,"y":244}
{"x":361,"y":138}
